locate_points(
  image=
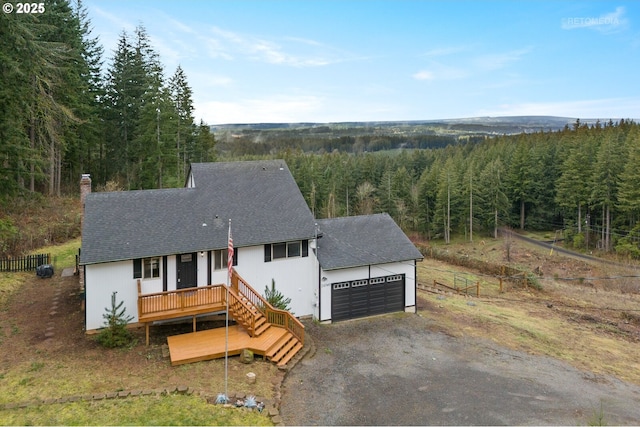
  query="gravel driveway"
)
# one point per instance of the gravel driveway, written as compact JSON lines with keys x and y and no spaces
{"x":392,"y":370}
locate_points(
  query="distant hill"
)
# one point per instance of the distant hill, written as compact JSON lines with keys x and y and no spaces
{"x":471,"y":125}
{"x":263,"y":138}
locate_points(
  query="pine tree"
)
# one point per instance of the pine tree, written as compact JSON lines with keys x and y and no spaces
{"x":493,"y":200}
{"x":204,"y":144}
{"x":604,"y":181}
{"x":121,"y":102}
{"x":115,"y":332}
{"x":275,"y":297}
{"x":18,"y":40}
{"x":89,"y":154}
{"x":629,"y":190}
{"x":184,"y":127}
{"x":520,"y":181}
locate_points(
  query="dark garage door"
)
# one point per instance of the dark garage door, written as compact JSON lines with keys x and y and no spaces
{"x":366,"y":297}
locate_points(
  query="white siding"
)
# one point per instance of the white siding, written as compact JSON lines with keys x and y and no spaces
{"x":349,"y":274}
{"x":295,"y":278}
{"x":101,"y":280}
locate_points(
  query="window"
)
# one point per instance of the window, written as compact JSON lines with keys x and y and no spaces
{"x":293,"y":249}
{"x":298,"y":248}
{"x":221,"y":256}
{"x":279,"y":250}
{"x":146,"y":268}
{"x":151,"y":268}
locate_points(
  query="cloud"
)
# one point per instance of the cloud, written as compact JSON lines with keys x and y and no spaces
{"x":605,"y":108}
{"x":606,"y":23}
{"x":498,"y":61}
{"x":439,"y":71}
{"x":290,"y":51}
{"x":115,"y":20}
{"x":424,"y":75}
{"x":445,"y":51}
{"x":274,"y":109}
{"x":467,"y":67}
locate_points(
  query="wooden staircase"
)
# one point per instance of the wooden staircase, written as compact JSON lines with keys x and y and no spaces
{"x":284,"y":349}
{"x":255,"y":315}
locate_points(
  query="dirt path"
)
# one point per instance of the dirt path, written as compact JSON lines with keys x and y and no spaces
{"x":395,"y":370}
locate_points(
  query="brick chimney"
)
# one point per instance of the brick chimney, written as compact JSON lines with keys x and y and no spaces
{"x":85,"y":188}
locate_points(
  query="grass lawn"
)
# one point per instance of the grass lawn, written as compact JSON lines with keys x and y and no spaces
{"x":70,"y":364}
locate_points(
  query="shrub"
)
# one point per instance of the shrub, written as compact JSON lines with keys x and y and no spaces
{"x":115,"y":332}
{"x":578,"y":241}
{"x":275,"y":298}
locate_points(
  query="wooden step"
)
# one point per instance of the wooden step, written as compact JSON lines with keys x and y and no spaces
{"x":285,"y":349}
{"x":260,"y":329}
{"x":290,"y":355}
{"x":271,"y":351}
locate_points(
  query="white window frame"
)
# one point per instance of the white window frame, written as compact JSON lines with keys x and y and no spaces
{"x":151,"y":268}
{"x":292,"y":249}
{"x":220,"y":257}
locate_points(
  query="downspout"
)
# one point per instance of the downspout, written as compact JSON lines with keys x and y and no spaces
{"x":84,"y":273}
{"x":415,"y":285}
{"x":319,"y":294}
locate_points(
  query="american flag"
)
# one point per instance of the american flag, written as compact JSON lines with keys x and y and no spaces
{"x":230,"y":253}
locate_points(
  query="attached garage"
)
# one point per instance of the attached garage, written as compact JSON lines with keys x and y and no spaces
{"x":367,"y":267}
{"x":367,"y":297}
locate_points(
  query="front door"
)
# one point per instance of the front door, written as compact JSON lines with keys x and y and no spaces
{"x":187,"y":273}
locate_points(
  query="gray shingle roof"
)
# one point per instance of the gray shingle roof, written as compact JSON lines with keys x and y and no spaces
{"x":260,"y":197}
{"x":363,"y":240}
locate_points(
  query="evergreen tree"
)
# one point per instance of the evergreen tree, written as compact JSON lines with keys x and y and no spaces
{"x":204,"y":144}
{"x":89,"y":155}
{"x":629,"y":188}
{"x":184,"y":132}
{"x":493,"y":200}
{"x":519,"y":180}
{"x":276,"y":298}
{"x":18,"y":51}
{"x":604,"y":183}
{"x":121,"y":102}
{"x":115,"y":332}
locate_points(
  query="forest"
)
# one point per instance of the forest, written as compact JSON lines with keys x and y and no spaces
{"x":67,"y":108}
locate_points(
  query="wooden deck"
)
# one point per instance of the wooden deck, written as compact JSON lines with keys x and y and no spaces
{"x":275,"y":334}
{"x":210,"y":344}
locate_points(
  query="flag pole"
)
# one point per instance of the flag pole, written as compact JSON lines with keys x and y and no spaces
{"x":226,"y":341}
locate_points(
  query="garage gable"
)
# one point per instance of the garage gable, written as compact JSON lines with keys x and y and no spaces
{"x":356,"y":241}
{"x":367,"y":267}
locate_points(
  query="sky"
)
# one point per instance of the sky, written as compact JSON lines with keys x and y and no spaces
{"x":340,"y":61}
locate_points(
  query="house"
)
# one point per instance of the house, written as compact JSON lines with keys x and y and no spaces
{"x":160,"y":242}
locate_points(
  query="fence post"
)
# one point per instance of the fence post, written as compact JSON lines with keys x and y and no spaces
{"x":477,"y":289}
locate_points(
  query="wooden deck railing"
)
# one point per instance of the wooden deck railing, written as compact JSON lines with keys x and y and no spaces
{"x":276,"y":317}
{"x":182,"y":301}
{"x":202,"y":299}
